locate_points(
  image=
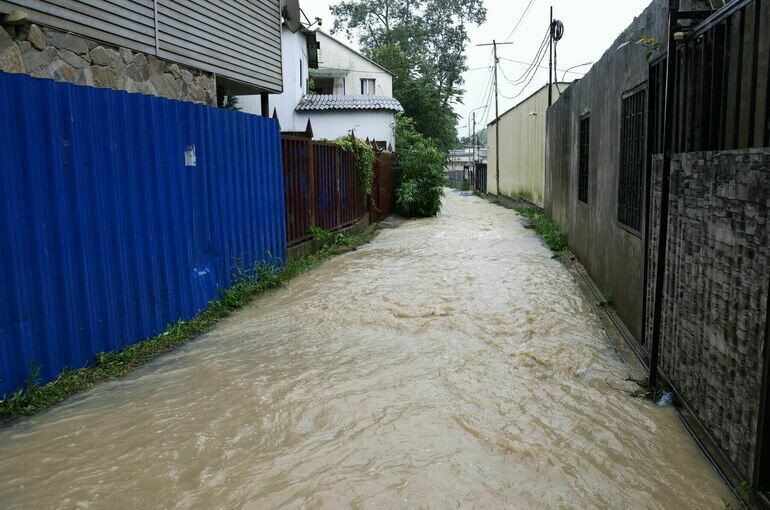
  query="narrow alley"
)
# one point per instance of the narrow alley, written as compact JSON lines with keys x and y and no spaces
{"x":451,"y":363}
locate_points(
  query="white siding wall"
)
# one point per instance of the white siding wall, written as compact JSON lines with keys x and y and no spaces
{"x":375,"y":125}
{"x":294,"y":56}
{"x":334,"y":55}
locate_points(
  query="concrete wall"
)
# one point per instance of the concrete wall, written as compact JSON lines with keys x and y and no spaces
{"x":45,"y":52}
{"x":715,"y":308}
{"x":522,"y":148}
{"x":613,"y":256}
{"x":339,"y":60}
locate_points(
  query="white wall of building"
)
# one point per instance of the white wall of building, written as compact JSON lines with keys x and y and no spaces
{"x":376,"y":125}
{"x":333,"y":124}
{"x":338,"y":58}
{"x":295,"y":76}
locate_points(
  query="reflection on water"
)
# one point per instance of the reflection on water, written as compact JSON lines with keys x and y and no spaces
{"x":451,"y":363}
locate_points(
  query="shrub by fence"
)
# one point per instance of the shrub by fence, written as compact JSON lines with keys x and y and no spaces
{"x":120,"y":214}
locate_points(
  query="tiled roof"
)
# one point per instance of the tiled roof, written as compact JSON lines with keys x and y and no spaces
{"x":348,"y":102}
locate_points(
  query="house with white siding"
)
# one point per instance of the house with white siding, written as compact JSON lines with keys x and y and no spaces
{"x":333,"y":86}
{"x":177,"y":49}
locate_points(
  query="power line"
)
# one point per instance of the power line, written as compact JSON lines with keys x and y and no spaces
{"x":532,"y":65}
{"x":485,"y":88}
{"x":521,"y":18}
{"x":567,"y":71}
{"x":532,"y":77}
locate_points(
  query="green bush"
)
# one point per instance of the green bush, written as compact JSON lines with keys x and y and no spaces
{"x":420,"y":178}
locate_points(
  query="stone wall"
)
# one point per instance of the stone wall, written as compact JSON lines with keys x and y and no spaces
{"x":48,"y":53}
{"x":716,"y":292}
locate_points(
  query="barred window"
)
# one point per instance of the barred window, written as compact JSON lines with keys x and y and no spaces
{"x":585,"y":136}
{"x":632,"y":161}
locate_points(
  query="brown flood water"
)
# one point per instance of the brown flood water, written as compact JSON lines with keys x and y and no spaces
{"x":450,"y":364}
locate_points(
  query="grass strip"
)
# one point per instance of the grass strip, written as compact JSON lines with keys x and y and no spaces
{"x":249,"y":284}
{"x":544,"y":226}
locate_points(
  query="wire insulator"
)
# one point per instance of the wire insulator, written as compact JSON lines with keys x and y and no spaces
{"x":557,"y":30}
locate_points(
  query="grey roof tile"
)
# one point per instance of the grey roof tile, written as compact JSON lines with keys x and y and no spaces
{"x":318,"y":102}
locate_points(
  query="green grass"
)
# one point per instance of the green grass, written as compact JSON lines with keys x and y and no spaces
{"x":113,"y":365}
{"x":545,"y":227}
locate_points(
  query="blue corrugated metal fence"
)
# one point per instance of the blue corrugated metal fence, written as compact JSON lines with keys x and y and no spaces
{"x":120,"y":214}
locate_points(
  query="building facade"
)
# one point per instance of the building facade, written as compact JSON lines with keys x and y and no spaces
{"x":335,"y":88}
{"x":178,"y":50}
{"x":605,"y":174}
{"x":522,"y":148}
{"x":344,"y":71}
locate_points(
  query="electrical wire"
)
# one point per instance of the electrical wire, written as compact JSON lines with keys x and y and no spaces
{"x":485,"y":93}
{"x":532,"y":77}
{"x":521,"y":18}
{"x":569,"y":70}
{"x":487,"y":104}
{"x":538,"y":56}
{"x":485,"y":88}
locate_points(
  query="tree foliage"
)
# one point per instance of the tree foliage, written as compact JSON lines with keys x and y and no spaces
{"x":420,"y":179}
{"x":422,"y":42}
{"x":479,"y":139}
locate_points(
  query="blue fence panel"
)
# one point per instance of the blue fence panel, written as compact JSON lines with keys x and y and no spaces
{"x":120,"y":214}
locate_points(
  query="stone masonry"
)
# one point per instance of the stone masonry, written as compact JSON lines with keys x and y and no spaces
{"x":48,"y":53}
{"x":716,"y":294}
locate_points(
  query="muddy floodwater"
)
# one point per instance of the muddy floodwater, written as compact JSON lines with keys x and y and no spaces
{"x":451,"y":363}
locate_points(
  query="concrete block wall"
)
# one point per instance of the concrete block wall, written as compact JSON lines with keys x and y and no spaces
{"x":44,"y":52}
{"x":716,"y":297}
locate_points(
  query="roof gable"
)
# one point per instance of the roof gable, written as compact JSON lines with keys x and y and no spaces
{"x":326,"y":37}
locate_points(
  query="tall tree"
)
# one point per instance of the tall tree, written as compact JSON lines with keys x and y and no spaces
{"x":423,"y":43}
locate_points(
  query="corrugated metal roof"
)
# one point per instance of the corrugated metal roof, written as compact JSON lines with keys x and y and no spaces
{"x":348,"y":102}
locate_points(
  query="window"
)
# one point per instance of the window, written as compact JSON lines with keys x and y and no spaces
{"x":585,"y":135}
{"x":301,"y":80}
{"x":632,"y":161}
{"x":367,"y":86}
{"x":322,"y":85}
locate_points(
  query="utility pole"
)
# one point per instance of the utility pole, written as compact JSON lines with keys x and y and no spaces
{"x":469,"y":141}
{"x":473,"y":139}
{"x":494,"y":45}
{"x":550,"y":60}
{"x":497,"y":125}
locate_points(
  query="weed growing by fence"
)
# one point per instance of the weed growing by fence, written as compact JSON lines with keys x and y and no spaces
{"x":420,"y":177}
{"x":556,"y":240}
{"x":249,"y":283}
{"x":545,"y":227}
{"x":364,"y":157}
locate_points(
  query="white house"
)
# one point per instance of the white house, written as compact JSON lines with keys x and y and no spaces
{"x":335,"y":87}
{"x":344,"y":71}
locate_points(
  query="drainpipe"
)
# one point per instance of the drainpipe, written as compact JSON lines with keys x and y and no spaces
{"x":660,"y":266}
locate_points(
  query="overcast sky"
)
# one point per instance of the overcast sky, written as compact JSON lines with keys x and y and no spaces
{"x":590,"y":26}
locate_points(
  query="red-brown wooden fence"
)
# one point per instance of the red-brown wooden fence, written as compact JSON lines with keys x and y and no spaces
{"x":383,"y":187}
{"x":323,"y":190}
